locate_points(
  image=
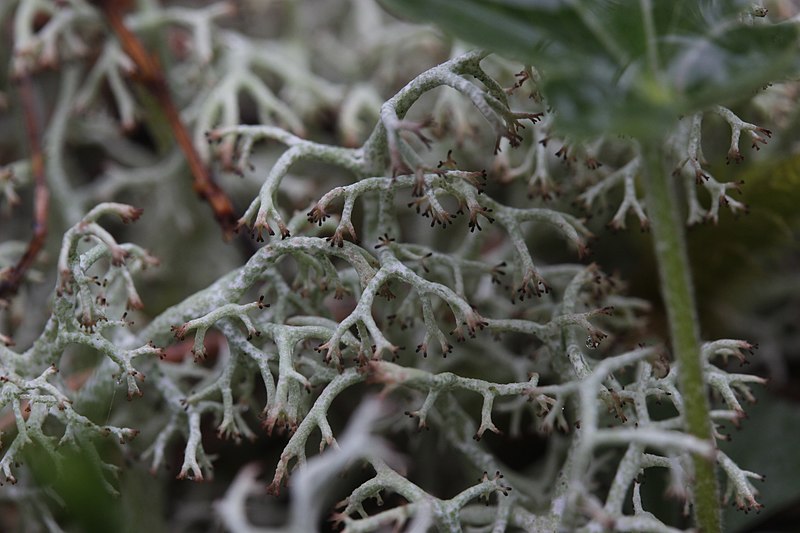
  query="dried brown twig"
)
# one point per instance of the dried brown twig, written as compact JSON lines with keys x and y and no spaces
{"x":11,"y":278}
{"x":151,"y":76}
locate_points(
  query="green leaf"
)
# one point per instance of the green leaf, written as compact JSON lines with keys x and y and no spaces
{"x":604,"y":72}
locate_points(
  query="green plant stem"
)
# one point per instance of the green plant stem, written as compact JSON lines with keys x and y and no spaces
{"x":678,"y":295}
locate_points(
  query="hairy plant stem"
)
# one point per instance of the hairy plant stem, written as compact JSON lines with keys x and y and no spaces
{"x":678,"y":295}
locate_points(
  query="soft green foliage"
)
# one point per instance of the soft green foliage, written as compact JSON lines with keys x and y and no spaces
{"x":418,"y":246}
{"x":621,"y":66}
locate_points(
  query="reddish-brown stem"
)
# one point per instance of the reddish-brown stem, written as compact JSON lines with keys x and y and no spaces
{"x":150,"y":74}
{"x":41,"y":197}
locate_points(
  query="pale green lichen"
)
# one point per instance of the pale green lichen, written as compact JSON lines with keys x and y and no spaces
{"x":312,"y":317}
